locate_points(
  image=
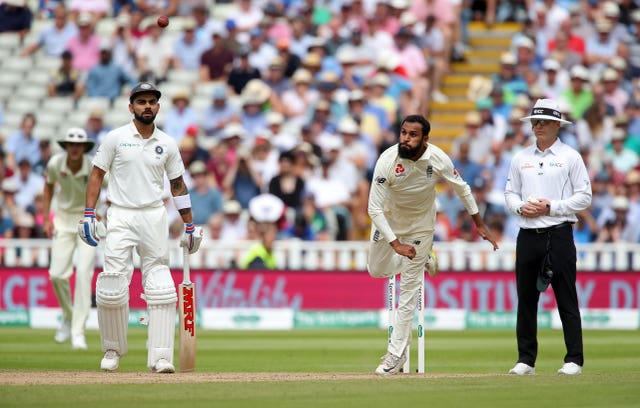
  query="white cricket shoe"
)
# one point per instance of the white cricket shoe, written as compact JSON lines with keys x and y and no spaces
{"x":64,"y":332}
{"x":570,"y":369}
{"x":163,"y":366}
{"x":522,"y":369}
{"x":432,"y":264}
{"x":391,"y":364}
{"x":110,"y":361}
{"x":79,"y":342}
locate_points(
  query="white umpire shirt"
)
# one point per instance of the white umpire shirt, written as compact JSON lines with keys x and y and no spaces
{"x":73,"y":187}
{"x":557,"y":174}
{"x":403,"y":191}
{"x":137,"y":166}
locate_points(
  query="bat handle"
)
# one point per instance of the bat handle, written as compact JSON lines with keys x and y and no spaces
{"x":186,"y":272}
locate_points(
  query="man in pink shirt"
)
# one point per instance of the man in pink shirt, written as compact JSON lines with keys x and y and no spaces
{"x":85,"y":46}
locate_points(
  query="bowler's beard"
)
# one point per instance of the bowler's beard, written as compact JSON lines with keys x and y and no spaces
{"x":142,"y":119}
{"x":407,"y":152}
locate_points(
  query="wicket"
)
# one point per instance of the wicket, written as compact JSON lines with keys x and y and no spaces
{"x":391,"y":309}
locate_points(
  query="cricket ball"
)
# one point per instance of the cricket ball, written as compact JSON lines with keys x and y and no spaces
{"x":163,"y":21}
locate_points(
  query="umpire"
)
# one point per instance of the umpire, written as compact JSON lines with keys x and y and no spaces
{"x":548,"y":184}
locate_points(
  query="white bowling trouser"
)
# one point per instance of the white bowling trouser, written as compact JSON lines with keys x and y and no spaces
{"x":144,"y":230}
{"x":65,"y":241}
{"x":384,"y":262}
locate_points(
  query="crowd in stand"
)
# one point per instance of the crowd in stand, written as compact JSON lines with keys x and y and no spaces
{"x":306,"y":94}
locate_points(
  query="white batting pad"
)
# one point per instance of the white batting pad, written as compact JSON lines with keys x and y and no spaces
{"x":161,"y":298}
{"x":112,"y":299}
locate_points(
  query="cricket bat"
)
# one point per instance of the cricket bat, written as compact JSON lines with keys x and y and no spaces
{"x":187,"y":310}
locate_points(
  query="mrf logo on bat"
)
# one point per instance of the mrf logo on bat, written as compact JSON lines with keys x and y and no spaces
{"x":187,"y":311}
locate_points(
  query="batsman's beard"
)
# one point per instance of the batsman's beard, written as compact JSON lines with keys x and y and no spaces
{"x":146,"y":120}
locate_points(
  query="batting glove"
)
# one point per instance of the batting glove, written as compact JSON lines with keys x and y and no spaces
{"x":191,"y":238}
{"x":88,"y":227}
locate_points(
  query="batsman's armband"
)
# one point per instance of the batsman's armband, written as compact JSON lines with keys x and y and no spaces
{"x":182,"y":201}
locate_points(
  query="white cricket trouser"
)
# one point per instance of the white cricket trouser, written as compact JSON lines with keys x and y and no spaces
{"x":144,"y":230}
{"x":65,"y":241}
{"x":384,"y":262}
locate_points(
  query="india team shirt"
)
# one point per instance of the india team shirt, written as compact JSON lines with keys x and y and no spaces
{"x":557,"y":174}
{"x":73,"y":187}
{"x":402,"y":195}
{"x":137,"y":166}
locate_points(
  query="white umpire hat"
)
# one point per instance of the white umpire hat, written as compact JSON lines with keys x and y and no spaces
{"x":77,"y":135}
{"x":546,"y":109}
{"x":266,"y":208}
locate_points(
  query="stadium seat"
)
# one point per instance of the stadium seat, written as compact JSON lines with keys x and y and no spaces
{"x":59,"y":104}
{"x":38,"y":76}
{"x":12,"y":120}
{"x":33,"y":92}
{"x":22,"y":106}
{"x":19,"y":64}
{"x":88,"y":104}
{"x":10,"y":41}
{"x":183,"y":76}
{"x":46,"y":63}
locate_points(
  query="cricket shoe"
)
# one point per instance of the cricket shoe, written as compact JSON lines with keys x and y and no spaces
{"x":110,"y":361}
{"x":163,"y":366}
{"x":570,"y":369}
{"x":63,"y":333}
{"x":391,"y":364}
{"x":432,"y":264}
{"x":79,"y":342}
{"x":522,"y":369}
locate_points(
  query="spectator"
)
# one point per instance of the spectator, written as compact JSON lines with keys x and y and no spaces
{"x":246,"y":16}
{"x":154,"y":55}
{"x":6,"y":225}
{"x":242,"y":72}
{"x":264,"y":158}
{"x":622,"y":158}
{"x":601,"y":49}
{"x":291,"y":61}
{"x":9,"y":189}
{"x":46,"y":8}
{"x":492,"y":124}
{"x":123,"y":45}
{"x":508,"y":76}
{"x":205,"y":200}
{"x":554,"y":80}
{"x":66,"y":80}
{"x":219,"y":114}
{"x":614,"y":95}
{"x":85,"y":46}
{"x":45,"y":154}
{"x":464,"y":162}
{"x":180,"y":116}
{"x":282,"y":139}
{"x":188,"y":48}
{"x":252,"y":116}
{"x":261,"y":52}
{"x":29,"y":185}
{"x":158,"y":7}
{"x":121,"y":7}
{"x":105,"y":80}
{"x":54,"y":38}
{"x":275,"y":78}
{"x":578,"y":95}
{"x":296,"y":102}
{"x":97,"y":9}
{"x":242,"y":182}
{"x":215,"y":63}
{"x":234,"y":225}
{"x":286,"y":185}
{"x":15,"y":17}
{"x":562,"y":50}
{"x":22,"y":144}
{"x":95,"y":127}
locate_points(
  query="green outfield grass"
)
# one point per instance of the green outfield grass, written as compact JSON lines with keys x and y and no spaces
{"x":611,"y":374}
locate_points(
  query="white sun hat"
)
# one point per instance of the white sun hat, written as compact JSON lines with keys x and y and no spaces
{"x":266,"y":208}
{"x":546,"y":109}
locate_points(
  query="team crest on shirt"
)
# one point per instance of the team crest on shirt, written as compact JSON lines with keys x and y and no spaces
{"x":159,"y":149}
{"x":399,"y":170}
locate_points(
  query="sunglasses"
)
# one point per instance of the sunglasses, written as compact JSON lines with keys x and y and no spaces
{"x":541,"y":122}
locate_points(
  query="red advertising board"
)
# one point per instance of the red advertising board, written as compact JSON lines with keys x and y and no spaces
{"x":338,"y":290}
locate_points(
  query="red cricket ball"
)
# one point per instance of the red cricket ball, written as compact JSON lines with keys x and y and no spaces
{"x":163,"y":21}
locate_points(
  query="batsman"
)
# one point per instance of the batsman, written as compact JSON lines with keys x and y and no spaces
{"x":137,"y":157}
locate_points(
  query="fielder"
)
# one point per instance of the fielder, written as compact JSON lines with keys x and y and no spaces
{"x":403,"y":213}
{"x":69,"y":171}
{"x":137,"y":156}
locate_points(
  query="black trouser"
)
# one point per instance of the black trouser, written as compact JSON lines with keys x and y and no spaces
{"x":530,"y":254}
